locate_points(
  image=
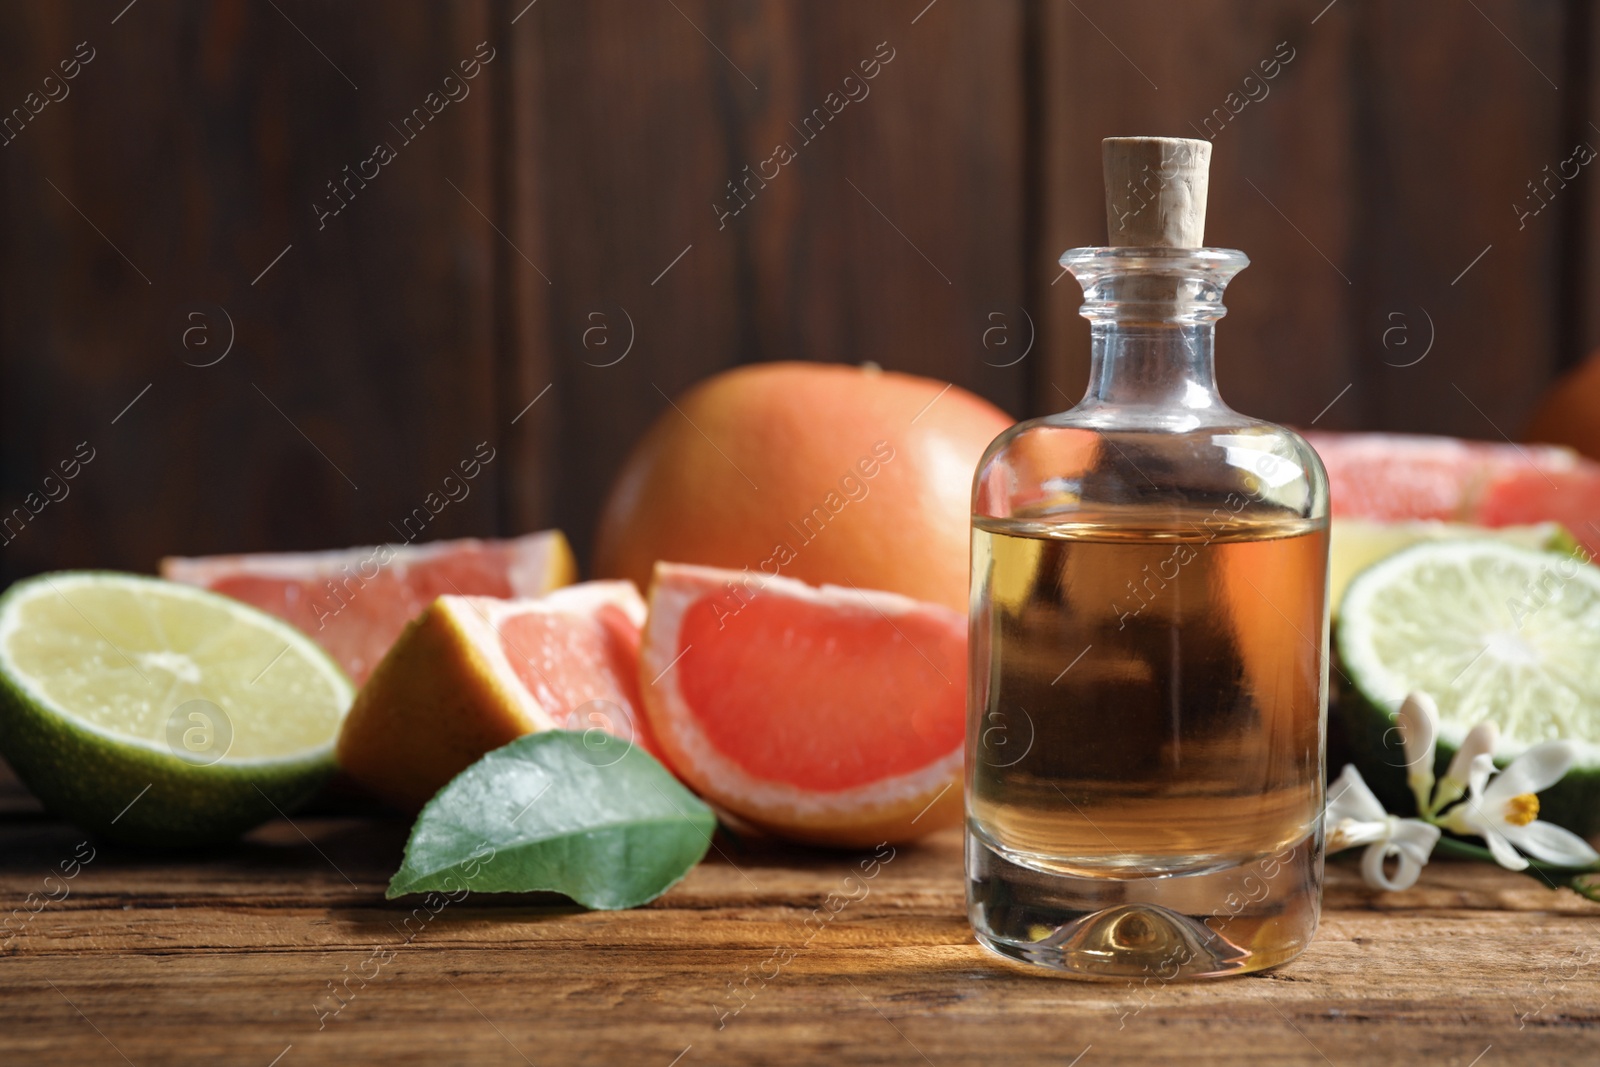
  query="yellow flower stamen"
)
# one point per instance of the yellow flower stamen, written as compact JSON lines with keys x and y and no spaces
{"x":1522,"y":810}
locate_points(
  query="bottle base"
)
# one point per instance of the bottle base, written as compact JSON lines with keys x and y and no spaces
{"x":1225,"y":918}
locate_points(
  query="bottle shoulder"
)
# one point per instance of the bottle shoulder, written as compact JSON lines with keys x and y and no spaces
{"x":1066,"y":466}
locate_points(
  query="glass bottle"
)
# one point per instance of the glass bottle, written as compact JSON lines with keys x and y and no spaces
{"x":1149,"y":636}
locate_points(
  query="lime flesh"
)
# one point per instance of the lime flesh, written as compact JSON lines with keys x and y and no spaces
{"x":159,"y":713}
{"x":1493,"y":632}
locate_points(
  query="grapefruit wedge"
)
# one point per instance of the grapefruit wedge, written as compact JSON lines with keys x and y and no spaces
{"x":1570,"y":497}
{"x":471,"y":674}
{"x":1414,"y":476}
{"x":831,"y":715}
{"x":1402,"y":477}
{"x":354,"y":602}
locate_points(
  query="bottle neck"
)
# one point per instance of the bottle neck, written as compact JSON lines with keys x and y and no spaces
{"x":1153,"y":313}
{"x":1152,"y":366}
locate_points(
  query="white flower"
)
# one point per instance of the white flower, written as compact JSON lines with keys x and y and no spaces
{"x":1354,"y":817}
{"x":1418,"y":720}
{"x":1480,"y":741}
{"x":1504,"y":812}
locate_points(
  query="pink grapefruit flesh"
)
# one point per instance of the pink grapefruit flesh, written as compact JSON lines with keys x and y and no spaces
{"x":473,"y":673}
{"x":831,"y":715}
{"x":1409,"y":476}
{"x":1570,"y":497}
{"x":354,"y":602}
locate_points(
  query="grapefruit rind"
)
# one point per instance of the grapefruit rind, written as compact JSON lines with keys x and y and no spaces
{"x":431,"y":704}
{"x":897,"y":808}
{"x":865,"y":480}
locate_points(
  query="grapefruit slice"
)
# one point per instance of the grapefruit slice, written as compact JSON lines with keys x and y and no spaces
{"x":1570,"y":497}
{"x":829,"y":715}
{"x":1412,"y":476}
{"x":474,"y":673}
{"x":354,"y":602}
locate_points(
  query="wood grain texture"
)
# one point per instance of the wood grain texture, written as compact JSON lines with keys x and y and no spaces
{"x":185,"y":160}
{"x":526,"y":365}
{"x":1424,"y":118}
{"x":228,"y":958}
{"x":524,"y":241}
{"x":1585,"y":282}
{"x":1362,"y":180}
{"x":1280,"y":187}
{"x":887,"y":229}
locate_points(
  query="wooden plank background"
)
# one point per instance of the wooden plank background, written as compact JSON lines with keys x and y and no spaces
{"x":568,"y":209}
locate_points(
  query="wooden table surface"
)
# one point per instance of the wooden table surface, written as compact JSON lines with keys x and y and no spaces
{"x":232,"y":958}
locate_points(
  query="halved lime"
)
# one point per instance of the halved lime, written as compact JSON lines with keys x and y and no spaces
{"x":1491,"y":631}
{"x":157,"y":713}
{"x":1355,"y":544}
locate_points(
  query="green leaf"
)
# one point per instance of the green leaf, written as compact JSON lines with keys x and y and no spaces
{"x":1454,"y":846}
{"x":584,"y":814}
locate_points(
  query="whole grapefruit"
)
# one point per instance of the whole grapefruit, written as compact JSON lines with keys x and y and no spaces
{"x":821,"y":472}
{"x":1569,"y":413}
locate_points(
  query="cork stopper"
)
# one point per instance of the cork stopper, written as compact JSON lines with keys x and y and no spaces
{"x":1156,"y":191}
